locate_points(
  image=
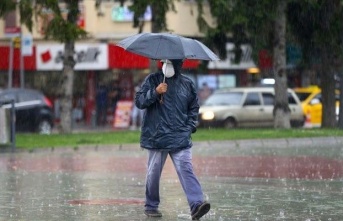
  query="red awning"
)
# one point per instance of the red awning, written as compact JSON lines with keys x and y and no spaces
{"x":187,"y":64}
{"x":121,"y":59}
{"x":191,"y":64}
{"x":29,"y":61}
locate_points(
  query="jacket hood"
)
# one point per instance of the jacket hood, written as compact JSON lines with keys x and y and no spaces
{"x":177,"y":64}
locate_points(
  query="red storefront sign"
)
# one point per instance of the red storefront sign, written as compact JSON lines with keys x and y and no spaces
{"x":29,"y":61}
{"x":118,"y":58}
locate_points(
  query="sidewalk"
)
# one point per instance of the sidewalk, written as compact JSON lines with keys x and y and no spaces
{"x":272,"y":179}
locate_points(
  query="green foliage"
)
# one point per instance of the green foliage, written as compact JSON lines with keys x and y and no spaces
{"x":63,"y":31}
{"x":159,"y":10}
{"x":316,"y":24}
{"x":59,"y":28}
{"x":239,"y":21}
{"x":26,"y":13}
{"x":6,"y":6}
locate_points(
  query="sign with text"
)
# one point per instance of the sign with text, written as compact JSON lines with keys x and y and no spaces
{"x":123,"y":14}
{"x":11,"y":28}
{"x":122,"y":116}
{"x":87,"y":57}
{"x":27,"y":45}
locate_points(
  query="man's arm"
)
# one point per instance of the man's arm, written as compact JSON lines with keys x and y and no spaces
{"x":193,"y":110}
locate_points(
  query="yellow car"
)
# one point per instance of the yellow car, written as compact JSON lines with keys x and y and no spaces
{"x":311,"y":98}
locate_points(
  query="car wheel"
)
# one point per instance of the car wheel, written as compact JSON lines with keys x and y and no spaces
{"x":230,"y":123}
{"x":44,"y":127}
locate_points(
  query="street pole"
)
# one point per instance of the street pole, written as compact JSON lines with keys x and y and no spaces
{"x":22,"y":80}
{"x":10,"y":65}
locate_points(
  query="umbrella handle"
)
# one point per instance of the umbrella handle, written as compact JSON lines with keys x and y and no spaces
{"x":164,"y":80}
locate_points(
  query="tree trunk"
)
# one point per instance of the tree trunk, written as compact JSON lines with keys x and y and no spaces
{"x":327,"y":81}
{"x":68,"y":73}
{"x":340,"y":74}
{"x":340,"y":117}
{"x":281,"y":108}
{"x":67,"y":87}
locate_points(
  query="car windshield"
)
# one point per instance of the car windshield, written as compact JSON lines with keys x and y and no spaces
{"x":228,"y":98}
{"x":303,"y":95}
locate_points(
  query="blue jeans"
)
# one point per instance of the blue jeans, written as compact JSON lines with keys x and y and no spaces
{"x":183,"y":165}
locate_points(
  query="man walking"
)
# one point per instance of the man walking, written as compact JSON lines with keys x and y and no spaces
{"x":171,"y":104}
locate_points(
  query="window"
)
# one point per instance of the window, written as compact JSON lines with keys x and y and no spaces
{"x":7,"y":97}
{"x":303,"y":95}
{"x":252,"y":99}
{"x":268,"y":99}
{"x":291,"y":99}
{"x":233,"y":98}
{"x":29,"y":96}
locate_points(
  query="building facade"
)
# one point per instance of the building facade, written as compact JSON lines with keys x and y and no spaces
{"x":99,"y":60}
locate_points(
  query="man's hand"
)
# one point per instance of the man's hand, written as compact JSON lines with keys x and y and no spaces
{"x":162,"y":88}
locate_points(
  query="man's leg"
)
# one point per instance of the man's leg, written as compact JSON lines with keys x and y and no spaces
{"x":183,"y":164}
{"x":155,"y":165}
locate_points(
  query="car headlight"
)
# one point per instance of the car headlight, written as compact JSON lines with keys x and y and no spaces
{"x":208,"y":115}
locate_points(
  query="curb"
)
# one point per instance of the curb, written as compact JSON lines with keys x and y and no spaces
{"x":249,"y":143}
{"x":272,"y":143}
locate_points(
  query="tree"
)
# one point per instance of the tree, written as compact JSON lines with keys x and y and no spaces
{"x":281,"y":108}
{"x":159,"y":9}
{"x":61,"y":29}
{"x":258,"y":23}
{"x":318,"y":26}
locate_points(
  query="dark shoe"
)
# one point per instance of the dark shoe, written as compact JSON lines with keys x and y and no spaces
{"x":153,"y":213}
{"x":201,"y":210}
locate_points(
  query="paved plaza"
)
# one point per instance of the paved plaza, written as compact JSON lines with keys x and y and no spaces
{"x":296,"y":179}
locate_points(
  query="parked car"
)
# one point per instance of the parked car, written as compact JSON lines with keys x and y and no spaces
{"x":311,"y":102}
{"x":246,"y":107}
{"x":33,"y":110}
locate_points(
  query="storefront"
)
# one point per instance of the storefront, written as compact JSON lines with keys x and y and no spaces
{"x":105,"y":65}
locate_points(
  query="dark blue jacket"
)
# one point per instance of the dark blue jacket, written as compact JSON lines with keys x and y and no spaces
{"x":168,"y":126}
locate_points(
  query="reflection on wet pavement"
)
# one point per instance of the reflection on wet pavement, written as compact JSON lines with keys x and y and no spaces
{"x":241,"y":183}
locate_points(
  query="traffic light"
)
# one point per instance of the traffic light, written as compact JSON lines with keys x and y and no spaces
{"x":17,"y":42}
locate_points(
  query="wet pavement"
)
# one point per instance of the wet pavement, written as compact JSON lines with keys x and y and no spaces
{"x":294,"y":179}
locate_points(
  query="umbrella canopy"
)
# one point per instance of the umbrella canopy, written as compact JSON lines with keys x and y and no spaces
{"x":167,"y":46}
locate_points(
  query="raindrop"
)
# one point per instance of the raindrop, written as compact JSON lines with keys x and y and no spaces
{"x":184,"y":216}
{"x":211,"y":213}
{"x":206,"y":197}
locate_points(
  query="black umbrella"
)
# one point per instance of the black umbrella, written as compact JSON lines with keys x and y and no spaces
{"x":167,"y":46}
